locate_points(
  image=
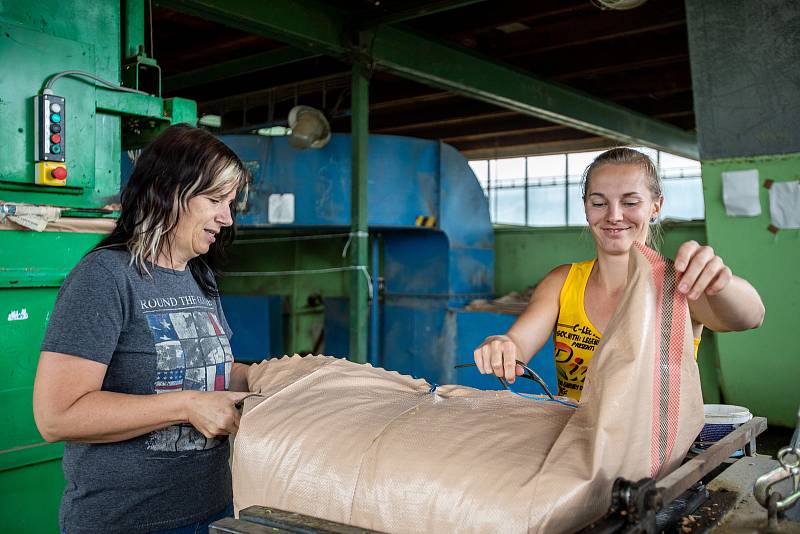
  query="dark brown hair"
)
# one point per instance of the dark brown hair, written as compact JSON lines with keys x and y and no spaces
{"x":181,"y":163}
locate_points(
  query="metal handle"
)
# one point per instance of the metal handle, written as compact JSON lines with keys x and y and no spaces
{"x":789,"y":468}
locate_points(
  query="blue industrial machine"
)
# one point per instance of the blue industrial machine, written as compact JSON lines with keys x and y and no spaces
{"x":437,"y":241}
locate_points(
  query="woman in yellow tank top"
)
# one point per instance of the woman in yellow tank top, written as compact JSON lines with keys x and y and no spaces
{"x":574,"y":303}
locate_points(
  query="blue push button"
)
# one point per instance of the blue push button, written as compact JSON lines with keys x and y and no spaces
{"x":55,"y":117}
{"x":55,"y":149}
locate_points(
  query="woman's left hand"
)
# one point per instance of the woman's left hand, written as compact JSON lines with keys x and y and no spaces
{"x":702,"y":271}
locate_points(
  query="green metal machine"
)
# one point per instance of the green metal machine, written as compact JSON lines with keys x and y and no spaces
{"x":96,"y":123}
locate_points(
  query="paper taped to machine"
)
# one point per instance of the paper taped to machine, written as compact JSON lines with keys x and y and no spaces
{"x":371,"y":448}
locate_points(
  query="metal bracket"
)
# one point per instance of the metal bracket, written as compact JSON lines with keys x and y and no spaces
{"x":634,"y":505}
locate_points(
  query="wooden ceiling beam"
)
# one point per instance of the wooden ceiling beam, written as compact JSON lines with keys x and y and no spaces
{"x":535,"y":149}
{"x":478,"y":19}
{"x":447,"y":123}
{"x":592,"y":28}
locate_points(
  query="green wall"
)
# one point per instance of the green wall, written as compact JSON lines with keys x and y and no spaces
{"x":524,"y":255}
{"x":760,"y":368}
{"x":31,"y":481}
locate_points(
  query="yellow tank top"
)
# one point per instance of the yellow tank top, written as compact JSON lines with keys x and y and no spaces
{"x":575,"y":336}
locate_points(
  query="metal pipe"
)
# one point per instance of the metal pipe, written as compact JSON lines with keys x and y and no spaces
{"x":358,"y":214}
{"x":374,"y":340}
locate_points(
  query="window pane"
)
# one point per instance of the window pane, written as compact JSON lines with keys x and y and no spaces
{"x":480,"y":168}
{"x":673,"y":161}
{"x":653,"y":153}
{"x":554,"y":165}
{"x":577,"y":215}
{"x":578,"y":161}
{"x":510,"y":170}
{"x":510,"y":205}
{"x":546,"y":204}
{"x":683,"y":199}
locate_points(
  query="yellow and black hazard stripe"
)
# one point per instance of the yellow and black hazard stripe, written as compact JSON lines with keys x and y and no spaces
{"x":426,"y":221}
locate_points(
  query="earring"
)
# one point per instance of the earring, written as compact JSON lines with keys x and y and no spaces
{"x":652,"y":220}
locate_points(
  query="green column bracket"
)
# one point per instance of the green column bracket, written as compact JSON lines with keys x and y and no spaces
{"x":181,"y":110}
{"x":172,"y":110}
{"x":317,"y":27}
{"x":359,"y":300}
{"x":135,"y":104}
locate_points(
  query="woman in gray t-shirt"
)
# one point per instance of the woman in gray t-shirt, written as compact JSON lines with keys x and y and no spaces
{"x":136,"y":372}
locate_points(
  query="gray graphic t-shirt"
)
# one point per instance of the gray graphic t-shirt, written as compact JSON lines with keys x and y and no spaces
{"x":157,"y":335}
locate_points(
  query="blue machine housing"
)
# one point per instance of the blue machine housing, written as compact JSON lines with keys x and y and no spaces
{"x":429,"y":273}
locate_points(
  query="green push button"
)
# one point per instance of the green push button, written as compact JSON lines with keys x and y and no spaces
{"x":55,"y":117}
{"x":55,"y":149}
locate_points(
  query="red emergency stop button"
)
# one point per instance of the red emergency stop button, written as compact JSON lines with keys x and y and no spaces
{"x":59,"y":173}
{"x":55,"y":139}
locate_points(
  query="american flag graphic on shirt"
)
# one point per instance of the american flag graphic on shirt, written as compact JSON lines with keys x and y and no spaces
{"x":192,"y":353}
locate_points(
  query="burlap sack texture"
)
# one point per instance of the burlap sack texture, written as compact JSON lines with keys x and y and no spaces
{"x":373,"y":448}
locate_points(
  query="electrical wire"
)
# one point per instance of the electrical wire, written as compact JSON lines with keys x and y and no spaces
{"x":541,"y":398}
{"x":289,"y":238}
{"x":350,"y":238}
{"x":111,"y":85}
{"x":362,"y":268}
{"x":150,"y":8}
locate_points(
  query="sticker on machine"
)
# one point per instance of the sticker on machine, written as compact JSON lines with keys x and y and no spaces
{"x":281,"y":208}
{"x":18,"y":315}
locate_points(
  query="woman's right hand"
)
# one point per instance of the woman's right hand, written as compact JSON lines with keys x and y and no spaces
{"x":498,"y":355}
{"x":214,"y":413}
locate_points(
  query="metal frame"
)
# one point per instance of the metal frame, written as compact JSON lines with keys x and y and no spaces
{"x":635,"y":504}
{"x":319,"y":28}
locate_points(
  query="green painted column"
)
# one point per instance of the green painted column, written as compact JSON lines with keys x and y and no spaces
{"x":359,"y":307}
{"x":133,"y":30}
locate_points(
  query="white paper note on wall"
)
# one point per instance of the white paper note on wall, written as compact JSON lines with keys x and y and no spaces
{"x":784,"y":204}
{"x":740,"y":193}
{"x":280,"y":208}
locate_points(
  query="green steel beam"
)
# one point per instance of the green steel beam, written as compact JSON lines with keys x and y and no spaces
{"x":461,"y":71}
{"x":418,"y":9}
{"x":306,"y":25}
{"x":133,"y":27}
{"x":359,"y":302}
{"x":237,"y":67}
{"x":318,"y":28}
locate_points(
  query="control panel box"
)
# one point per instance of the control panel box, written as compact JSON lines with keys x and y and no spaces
{"x":50,"y":128}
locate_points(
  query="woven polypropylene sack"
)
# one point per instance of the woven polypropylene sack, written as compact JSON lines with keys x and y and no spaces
{"x":368,"y":447}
